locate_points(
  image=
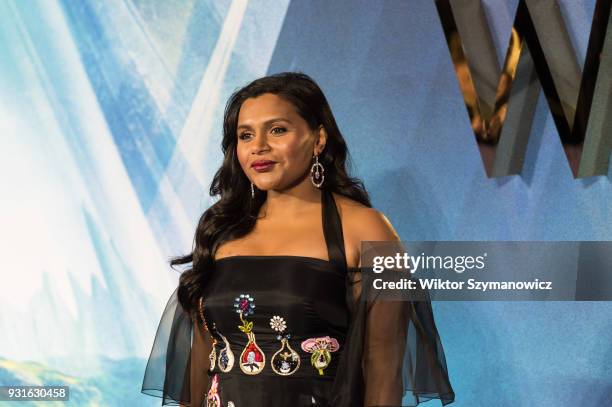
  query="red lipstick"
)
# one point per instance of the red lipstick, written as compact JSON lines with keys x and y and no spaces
{"x":262,"y":165}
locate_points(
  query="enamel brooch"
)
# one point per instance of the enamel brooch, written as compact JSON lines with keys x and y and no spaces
{"x":285,"y":361}
{"x":321,"y":349}
{"x":252,"y":358}
{"x":212,"y":398}
{"x":212,"y":356}
{"x":226,"y":356}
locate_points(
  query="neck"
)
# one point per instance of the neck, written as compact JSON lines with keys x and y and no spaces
{"x":292,"y":201}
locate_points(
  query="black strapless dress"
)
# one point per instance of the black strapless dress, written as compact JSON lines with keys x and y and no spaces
{"x":288,"y":332}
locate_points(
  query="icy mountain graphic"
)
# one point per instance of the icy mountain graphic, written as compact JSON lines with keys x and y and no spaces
{"x":111,"y":127}
{"x":115,"y":384}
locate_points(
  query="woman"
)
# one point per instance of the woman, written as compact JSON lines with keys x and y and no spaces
{"x":269,"y":313}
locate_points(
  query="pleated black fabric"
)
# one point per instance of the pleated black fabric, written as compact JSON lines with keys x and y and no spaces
{"x":388,"y":352}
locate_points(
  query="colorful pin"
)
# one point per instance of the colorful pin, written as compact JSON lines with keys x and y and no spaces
{"x":212,"y":356}
{"x":285,"y":361}
{"x":252,"y":358}
{"x":226,"y":356}
{"x":212,"y":398}
{"x":321,"y":349}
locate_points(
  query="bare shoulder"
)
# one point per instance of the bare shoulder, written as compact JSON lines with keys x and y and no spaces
{"x":362,"y":223}
{"x":368,"y":223}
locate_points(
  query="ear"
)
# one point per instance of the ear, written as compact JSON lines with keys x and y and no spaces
{"x":320,"y":140}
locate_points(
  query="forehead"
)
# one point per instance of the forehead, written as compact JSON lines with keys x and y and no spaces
{"x":266,"y":106}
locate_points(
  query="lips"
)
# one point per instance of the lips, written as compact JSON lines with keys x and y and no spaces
{"x":262,"y":164}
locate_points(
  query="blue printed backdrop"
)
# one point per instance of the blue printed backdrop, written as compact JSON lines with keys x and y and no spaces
{"x":110,"y":122}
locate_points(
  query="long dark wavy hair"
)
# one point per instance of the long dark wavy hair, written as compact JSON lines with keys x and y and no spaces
{"x":233,"y":216}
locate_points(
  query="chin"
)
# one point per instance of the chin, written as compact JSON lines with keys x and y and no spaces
{"x":265,"y":186}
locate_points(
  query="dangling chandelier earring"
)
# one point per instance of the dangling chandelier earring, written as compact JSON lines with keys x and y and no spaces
{"x":316,"y":172}
{"x":252,"y":191}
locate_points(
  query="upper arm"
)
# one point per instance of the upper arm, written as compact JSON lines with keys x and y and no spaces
{"x":385,"y":323}
{"x":364,"y":224}
{"x":372,"y":225}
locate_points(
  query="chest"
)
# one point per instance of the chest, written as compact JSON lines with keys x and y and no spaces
{"x":267,"y":240}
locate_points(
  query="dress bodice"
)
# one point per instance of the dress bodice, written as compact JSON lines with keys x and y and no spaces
{"x":307,"y":293}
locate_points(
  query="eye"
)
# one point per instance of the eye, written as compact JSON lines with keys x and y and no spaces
{"x":278,"y":130}
{"x":241,"y":136}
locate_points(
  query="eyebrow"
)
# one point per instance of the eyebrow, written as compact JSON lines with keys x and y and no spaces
{"x":267,"y":122}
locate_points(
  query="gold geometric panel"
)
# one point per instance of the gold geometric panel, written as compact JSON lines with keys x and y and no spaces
{"x":501,"y":102}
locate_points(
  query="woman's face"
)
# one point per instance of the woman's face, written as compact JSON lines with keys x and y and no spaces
{"x":270,"y":129}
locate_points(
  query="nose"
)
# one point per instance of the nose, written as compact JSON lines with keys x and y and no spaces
{"x":260,"y":142}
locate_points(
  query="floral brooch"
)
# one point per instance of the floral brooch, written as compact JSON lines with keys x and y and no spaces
{"x":321,"y":349}
{"x":212,"y":398}
{"x":285,"y":361}
{"x":252,"y":358}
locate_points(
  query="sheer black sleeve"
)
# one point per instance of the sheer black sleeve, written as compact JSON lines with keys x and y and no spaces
{"x":393,"y":355}
{"x":177,"y":367}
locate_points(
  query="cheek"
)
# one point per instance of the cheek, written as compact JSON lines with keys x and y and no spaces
{"x":242,"y":156}
{"x":295,"y":152}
